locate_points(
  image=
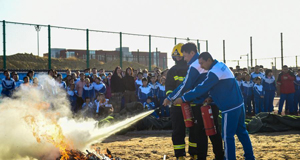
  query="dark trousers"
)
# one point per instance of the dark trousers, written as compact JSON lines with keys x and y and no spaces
{"x":80,"y":102}
{"x":116,"y":101}
{"x":178,"y":134}
{"x":289,"y":98}
{"x":202,"y":140}
{"x":129,"y":96}
{"x":247,"y":102}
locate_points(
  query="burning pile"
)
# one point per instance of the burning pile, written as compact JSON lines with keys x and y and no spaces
{"x":78,"y":155}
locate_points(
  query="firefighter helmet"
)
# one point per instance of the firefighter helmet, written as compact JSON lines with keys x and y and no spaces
{"x":177,"y":50}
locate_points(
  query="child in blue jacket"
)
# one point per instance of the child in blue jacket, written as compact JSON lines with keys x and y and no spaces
{"x":154,"y":89}
{"x":88,"y":90}
{"x":150,"y":105}
{"x":238,"y":77}
{"x":138,"y":82}
{"x":144,"y":91}
{"x":258,"y":96}
{"x":72,"y":95}
{"x":99,"y":86}
{"x":247,"y":90}
{"x":161,"y":95}
{"x":269,"y":86}
{"x":297,"y":93}
{"x":8,"y":85}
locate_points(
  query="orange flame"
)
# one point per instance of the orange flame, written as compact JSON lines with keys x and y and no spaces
{"x":45,"y":127}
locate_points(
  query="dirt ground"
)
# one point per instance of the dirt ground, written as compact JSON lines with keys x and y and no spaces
{"x":154,"y":145}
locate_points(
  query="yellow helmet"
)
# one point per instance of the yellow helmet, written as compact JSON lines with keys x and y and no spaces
{"x":177,"y":50}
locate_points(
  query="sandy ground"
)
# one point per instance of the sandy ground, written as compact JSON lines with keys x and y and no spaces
{"x":154,"y":145}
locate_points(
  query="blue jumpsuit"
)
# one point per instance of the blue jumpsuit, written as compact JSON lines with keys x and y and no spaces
{"x":225,"y":92}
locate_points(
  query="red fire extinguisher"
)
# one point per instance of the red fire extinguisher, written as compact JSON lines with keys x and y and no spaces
{"x":208,"y":120}
{"x":187,"y":114}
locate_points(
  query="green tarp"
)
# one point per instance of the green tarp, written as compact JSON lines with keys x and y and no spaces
{"x":268,"y":122}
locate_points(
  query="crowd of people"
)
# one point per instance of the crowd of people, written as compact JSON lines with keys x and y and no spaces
{"x":259,"y":88}
{"x":97,"y":93}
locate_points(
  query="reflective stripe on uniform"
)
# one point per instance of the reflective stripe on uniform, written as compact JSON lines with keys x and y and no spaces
{"x":181,"y":146}
{"x":178,"y":78}
{"x":192,"y":105}
{"x":192,"y":144}
{"x":169,"y":91}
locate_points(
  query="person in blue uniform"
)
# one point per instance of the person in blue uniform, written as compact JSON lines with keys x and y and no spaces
{"x":8,"y":85}
{"x":269,"y":86}
{"x":258,"y":91}
{"x":225,"y":92}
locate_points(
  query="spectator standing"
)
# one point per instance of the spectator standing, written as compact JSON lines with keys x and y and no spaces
{"x":30,"y":74}
{"x":107,"y":82}
{"x":61,"y":84}
{"x":99,"y":86}
{"x":129,"y":94}
{"x":161,"y":95}
{"x":16,"y":79}
{"x":269,"y":86}
{"x":78,"y":74}
{"x":138,"y":82}
{"x":79,"y":88}
{"x":68,"y":73}
{"x":87,"y":73}
{"x":287,"y":89}
{"x":88,"y":90}
{"x":71,"y":93}
{"x":247,"y":90}
{"x":258,"y":96}
{"x":94,"y":73}
{"x":256,"y":73}
{"x":101,"y":71}
{"x":238,"y":77}
{"x":144,"y":91}
{"x":117,"y":89}
{"x":8,"y":85}
{"x":297,"y":91}
{"x":154,"y":88}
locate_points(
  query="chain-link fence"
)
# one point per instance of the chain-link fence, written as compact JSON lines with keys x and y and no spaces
{"x":27,"y":46}
{"x":40,"y":47}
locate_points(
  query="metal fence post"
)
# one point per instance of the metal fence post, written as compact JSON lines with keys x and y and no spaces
{"x":87,"y":49}
{"x":281,"y":42}
{"x":224,"y":59}
{"x":121,"y":54}
{"x":251,"y":52}
{"x":149,"y":52}
{"x":296,"y":62}
{"x":156,"y":55}
{"x":138,"y":56}
{"x":4,"y":46}
{"x":175,"y":40}
{"x":198,"y":45}
{"x":49,"y":47}
{"x":206,"y":45}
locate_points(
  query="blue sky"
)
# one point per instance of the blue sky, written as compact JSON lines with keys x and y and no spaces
{"x":232,"y":20}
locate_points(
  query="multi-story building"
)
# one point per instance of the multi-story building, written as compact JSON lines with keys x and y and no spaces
{"x":157,"y":58}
